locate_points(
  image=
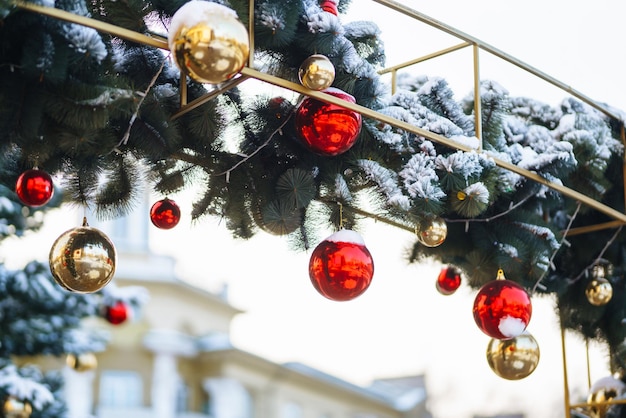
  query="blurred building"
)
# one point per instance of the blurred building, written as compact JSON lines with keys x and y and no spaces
{"x":500,"y":416}
{"x":175,"y":359}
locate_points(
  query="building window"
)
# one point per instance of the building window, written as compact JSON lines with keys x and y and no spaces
{"x":291,"y":410}
{"x":120,"y":389}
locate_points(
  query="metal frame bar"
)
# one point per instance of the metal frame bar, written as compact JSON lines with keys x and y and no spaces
{"x":400,"y":8}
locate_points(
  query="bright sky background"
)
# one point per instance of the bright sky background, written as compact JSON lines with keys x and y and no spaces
{"x":401,"y":325}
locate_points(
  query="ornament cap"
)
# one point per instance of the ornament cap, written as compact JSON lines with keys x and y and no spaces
{"x":500,"y":275}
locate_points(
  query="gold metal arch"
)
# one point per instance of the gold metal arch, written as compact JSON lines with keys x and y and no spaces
{"x":477,"y":45}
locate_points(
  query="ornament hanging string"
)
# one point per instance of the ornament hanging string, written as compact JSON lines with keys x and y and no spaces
{"x":340,"y":215}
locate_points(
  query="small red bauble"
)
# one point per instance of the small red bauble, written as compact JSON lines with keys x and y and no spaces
{"x":448,"y":281}
{"x":325,"y":128}
{"x":341,"y":267}
{"x":34,"y":187}
{"x":502,"y":308}
{"x":116,"y":314}
{"x":165,"y":214}
{"x":329,"y":6}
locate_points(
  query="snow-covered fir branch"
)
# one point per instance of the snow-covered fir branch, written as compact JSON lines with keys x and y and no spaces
{"x":386,"y":181}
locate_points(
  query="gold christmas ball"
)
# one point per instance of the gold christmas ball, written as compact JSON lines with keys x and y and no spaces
{"x":317,"y":72}
{"x":599,"y":291}
{"x":432,"y":232}
{"x":82,"y":362}
{"x":513,"y":359}
{"x":15,"y":408}
{"x":604,"y":390}
{"x":208,"y":41}
{"x":82,"y":259}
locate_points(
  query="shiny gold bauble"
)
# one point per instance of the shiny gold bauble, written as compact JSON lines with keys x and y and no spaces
{"x":317,"y":72}
{"x":515,"y":358}
{"x":604,"y":390}
{"x":82,"y":259}
{"x":15,"y":408}
{"x":599,"y":291}
{"x":82,"y":362}
{"x":208,"y":41}
{"x":432,"y":232}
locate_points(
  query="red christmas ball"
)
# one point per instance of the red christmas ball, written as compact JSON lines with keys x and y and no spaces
{"x":325,"y":128}
{"x":502,"y":309}
{"x":329,"y":6}
{"x":165,"y":214}
{"x":34,"y":187}
{"x":341,"y":267}
{"x":448,"y":281}
{"x":117,"y":314}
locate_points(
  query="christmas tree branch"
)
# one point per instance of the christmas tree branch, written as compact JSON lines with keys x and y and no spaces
{"x":143,"y":95}
{"x":366,"y":214}
{"x":123,"y":33}
{"x":511,"y":208}
{"x":278,"y":130}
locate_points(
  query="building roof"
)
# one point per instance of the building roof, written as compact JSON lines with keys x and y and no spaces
{"x":391,"y":393}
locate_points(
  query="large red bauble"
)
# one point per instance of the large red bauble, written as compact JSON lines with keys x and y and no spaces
{"x":116,"y":314}
{"x":165,"y":214}
{"x":448,"y":281}
{"x":502,"y":309}
{"x":325,"y":128}
{"x":341,"y":267}
{"x":34,"y":187}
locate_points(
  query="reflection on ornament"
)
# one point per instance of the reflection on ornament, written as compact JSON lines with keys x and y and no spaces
{"x":432,"y":232}
{"x":513,"y":359}
{"x":116,"y":314}
{"x":82,"y":259}
{"x":502,"y":308}
{"x":599,"y":291}
{"x":448,"y":281}
{"x":82,"y":362}
{"x":165,"y":214}
{"x":208,"y":41}
{"x":15,"y":408}
{"x":317,"y":72}
{"x":604,"y":390}
{"x":34,"y":187}
{"x":341,"y":267}
{"x":325,"y":128}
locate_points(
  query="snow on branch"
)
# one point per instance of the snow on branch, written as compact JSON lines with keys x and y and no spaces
{"x":420,"y":179}
{"x":24,"y":388}
{"x":387,"y":181}
{"x":342,"y":191}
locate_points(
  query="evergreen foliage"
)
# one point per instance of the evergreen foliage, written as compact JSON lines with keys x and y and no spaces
{"x":68,"y":95}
